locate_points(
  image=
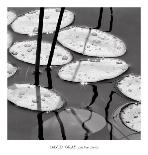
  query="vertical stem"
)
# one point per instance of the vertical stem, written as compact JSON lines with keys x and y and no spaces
{"x":55,"y":37}
{"x":38,"y":50}
{"x":53,"y":47}
{"x":37,"y":65}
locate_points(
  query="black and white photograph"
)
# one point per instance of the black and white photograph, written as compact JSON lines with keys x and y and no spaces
{"x":74,"y":73}
{"x":73,"y":77}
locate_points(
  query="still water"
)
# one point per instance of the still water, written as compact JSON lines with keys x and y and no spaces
{"x":71,"y":124}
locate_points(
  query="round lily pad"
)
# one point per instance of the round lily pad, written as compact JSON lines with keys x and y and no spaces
{"x":11,"y":16}
{"x":130,"y":86}
{"x":126,"y":121}
{"x":34,"y":97}
{"x":92,"y":70}
{"x":28,"y":23}
{"x":26,"y":51}
{"x":91,"y":42}
{"x":11,"y":70}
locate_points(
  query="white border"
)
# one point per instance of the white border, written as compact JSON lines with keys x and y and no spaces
{"x":41,"y":147}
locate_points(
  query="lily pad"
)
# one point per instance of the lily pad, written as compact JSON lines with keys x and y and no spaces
{"x":34,"y":97}
{"x":93,"y":70}
{"x":26,"y":51}
{"x":11,"y":16}
{"x":28,"y":23}
{"x":130,"y":86}
{"x":11,"y":70}
{"x":91,"y":42}
{"x":123,"y":122}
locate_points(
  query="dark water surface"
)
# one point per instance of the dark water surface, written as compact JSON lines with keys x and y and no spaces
{"x":23,"y":124}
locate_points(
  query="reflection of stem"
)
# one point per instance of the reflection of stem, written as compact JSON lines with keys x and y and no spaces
{"x":61,"y":125}
{"x":40,"y":126}
{"x":100,"y":18}
{"x":83,"y":123}
{"x":95,"y":91}
{"x":107,"y":111}
{"x":111,"y":20}
{"x":39,"y":115}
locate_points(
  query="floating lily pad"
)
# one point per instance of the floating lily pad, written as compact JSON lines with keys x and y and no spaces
{"x":93,"y":70}
{"x":34,"y":97}
{"x":11,"y":16}
{"x":72,"y":124}
{"x":126,"y":121}
{"x":74,"y":38}
{"x":26,"y":51}
{"x":9,"y":39}
{"x":131,"y":116}
{"x":28,"y":23}
{"x":91,"y":42}
{"x":10,"y":70}
{"x":130,"y":86}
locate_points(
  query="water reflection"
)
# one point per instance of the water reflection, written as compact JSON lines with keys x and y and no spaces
{"x":73,"y":123}
{"x":48,"y":69}
{"x":133,"y":136}
{"x":95,"y":95}
{"x":39,"y":115}
{"x":107,"y":113}
{"x":40,"y":126}
{"x":82,"y":130}
{"x":61,"y":125}
{"x":100,"y":19}
{"x":87,"y":131}
{"x":111,"y":20}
